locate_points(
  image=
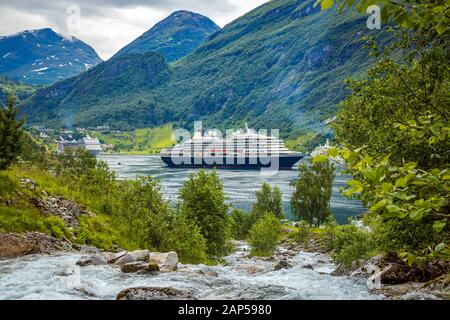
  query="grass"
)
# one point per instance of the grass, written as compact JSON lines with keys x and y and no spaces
{"x":140,"y":141}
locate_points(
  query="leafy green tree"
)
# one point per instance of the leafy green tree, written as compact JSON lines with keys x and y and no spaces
{"x":311,"y":198}
{"x":140,"y":212}
{"x":11,"y":134}
{"x":395,"y":133}
{"x":203,"y":202}
{"x":265,"y":235}
{"x":268,"y":199}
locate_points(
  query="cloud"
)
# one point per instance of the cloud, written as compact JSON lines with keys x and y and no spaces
{"x":108,"y":25}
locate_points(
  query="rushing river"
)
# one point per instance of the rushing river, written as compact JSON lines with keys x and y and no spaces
{"x":240,"y":185}
{"x":58,"y":277}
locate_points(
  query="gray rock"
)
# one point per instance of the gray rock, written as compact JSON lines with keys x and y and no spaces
{"x":308,"y":266}
{"x":140,"y":255}
{"x":282,"y":264}
{"x":155,"y":293}
{"x":208,"y":271}
{"x":167,"y":262}
{"x":121,"y":258}
{"x":139,"y":266}
{"x":92,"y":260}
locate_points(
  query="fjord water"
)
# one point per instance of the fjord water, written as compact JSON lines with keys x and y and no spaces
{"x":239,"y":185}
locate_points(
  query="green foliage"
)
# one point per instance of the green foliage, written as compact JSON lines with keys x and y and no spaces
{"x":11,"y":134}
{"x":349,"y":243}
{"x":264,"y":236}
{"x":203,"y":202}
{"x":140,"y":213}
{"x":25,"y":218}
{"x":98,"y":231}
{"x":13,"y":88}
{"x":268,"y":200}
{"x":56,"y":227}
{"x":412,"y":14}
{"x":395,"y":135}
{"x":311,"y":198}
{"x":241,"y":222}
{"x":8,"y":185}
{"x":186,"y":239}
{"x":301,"y":234}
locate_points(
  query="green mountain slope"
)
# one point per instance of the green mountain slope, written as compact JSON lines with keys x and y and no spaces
{"x":10,"y":87}
{"x":104,"y":94}
{"x":279,"y":66}
{"x":174,"y":37}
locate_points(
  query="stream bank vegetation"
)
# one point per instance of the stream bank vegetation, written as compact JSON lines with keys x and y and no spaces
{"x":392,"y":131}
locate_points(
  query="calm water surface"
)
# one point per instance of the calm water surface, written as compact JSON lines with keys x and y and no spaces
{"x":239,"y":185}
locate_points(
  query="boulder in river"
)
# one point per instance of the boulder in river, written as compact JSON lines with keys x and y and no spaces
{"x":167,"y":262}
{"x":139,"y":266}
{"x":121,"y":258}
{"x":140,"y":255}
{"x":92,"y":260}
{"x":282,"y":264}
{"x":155,"y":293}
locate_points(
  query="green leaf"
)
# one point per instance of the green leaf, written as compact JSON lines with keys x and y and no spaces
{"x":439,"y":247}
{"x":333,"y":152}
{"x":438,"y":226}
{"x":326,"y":4}
{"x":440,"y":28}
{"x":380,"y":204}
{"x":319,"y":159}
{"x":387,"y":187}
{"x":416,"y":215}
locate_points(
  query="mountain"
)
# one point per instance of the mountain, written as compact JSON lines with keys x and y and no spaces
{"x":42,"y":56}
{"x":281,"y":65}
{"x":10,"y":87}
{"x":104,"y":93}
{"x":174,"y":37}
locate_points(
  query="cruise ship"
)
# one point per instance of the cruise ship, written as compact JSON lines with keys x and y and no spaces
{"x":242,"y":150}
{"x":87,"y":143}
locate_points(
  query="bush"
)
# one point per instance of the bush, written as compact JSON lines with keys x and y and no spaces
{"x":97,"y":231}
{"x":302,"y":233}
{"x":264,"y":236}
{"x":349,"y":243}
{"x":396,"y":235}
{"x":241,"y":222}
{"x":56,"y":227}
{"x":185,"y":238}
{"x":8,"y":186}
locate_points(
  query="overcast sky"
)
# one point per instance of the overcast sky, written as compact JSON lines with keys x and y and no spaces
{"x":108,"y":25}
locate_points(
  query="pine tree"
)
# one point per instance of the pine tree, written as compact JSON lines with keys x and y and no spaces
{"x":11,"y":134}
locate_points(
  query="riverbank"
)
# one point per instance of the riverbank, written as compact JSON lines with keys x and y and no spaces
{"x":291,"y":272}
